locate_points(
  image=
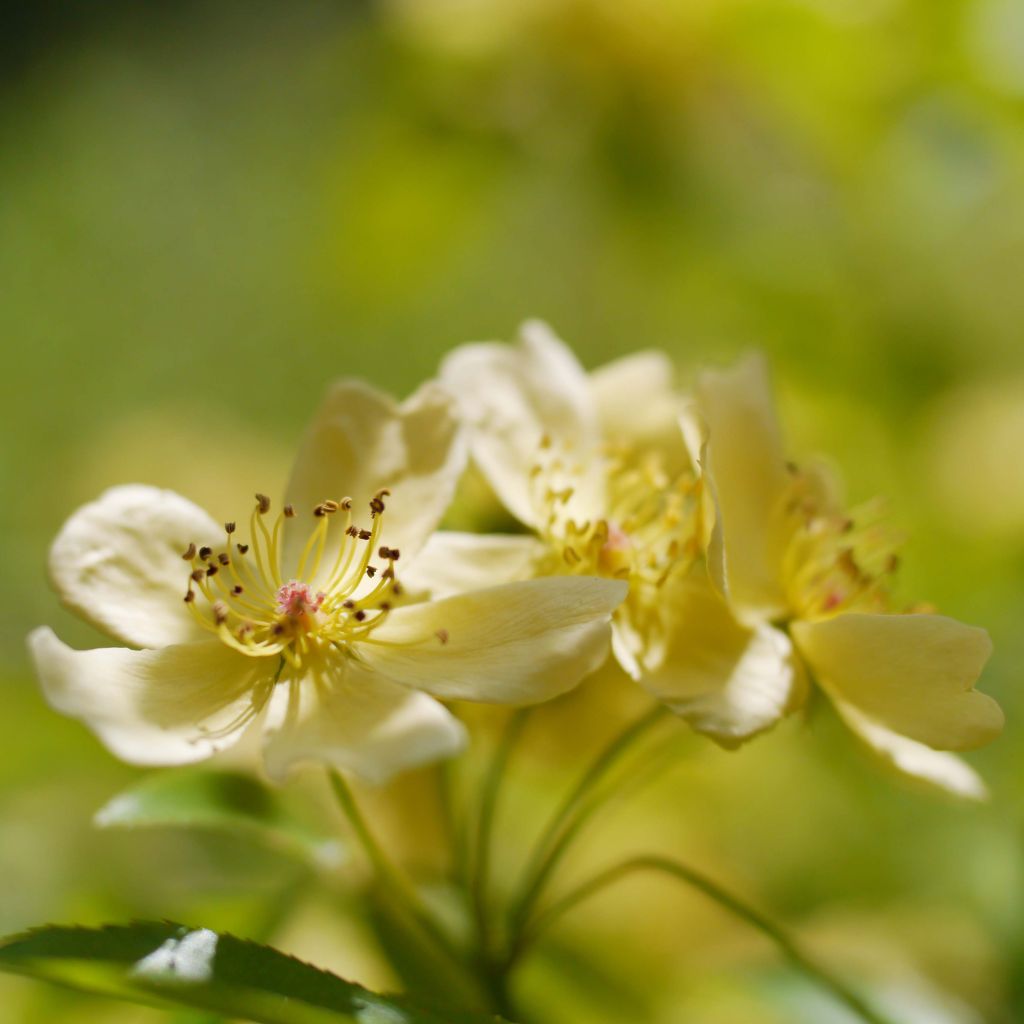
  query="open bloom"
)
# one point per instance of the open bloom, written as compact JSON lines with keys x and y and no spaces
{"x":297,"y":618}
{"x":798,"y":588}
{"x":594,"y":466}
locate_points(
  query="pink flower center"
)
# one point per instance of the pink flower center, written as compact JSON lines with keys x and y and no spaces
{"x":297,"y":600}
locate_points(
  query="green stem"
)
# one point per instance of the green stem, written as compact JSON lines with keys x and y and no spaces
{"x":397,"y":887}
{"x":554,"y":842}
{"x":454,"y":830}
{"x":723,"y":898}
{"x":485,"y":826}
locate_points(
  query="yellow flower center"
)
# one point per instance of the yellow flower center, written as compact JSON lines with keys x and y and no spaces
{"x":241,"y":593}
{"x":836,"y":561}
{"x":647,"y":534}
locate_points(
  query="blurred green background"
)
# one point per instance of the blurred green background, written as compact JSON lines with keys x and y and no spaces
{"x":209,"y":210}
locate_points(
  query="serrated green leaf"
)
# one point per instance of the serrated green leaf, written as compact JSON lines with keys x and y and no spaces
{"x":167,"y":965}
{"x":220,"y":800}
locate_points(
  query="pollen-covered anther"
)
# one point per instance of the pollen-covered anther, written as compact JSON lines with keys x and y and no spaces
{"x":377,"y":501}
{"x":212,"y":570}
{"x":223,"y":558}
{"x":190,"y":553}
{"x":205,"y":552}
{"x":262,"y":504}
{"x":326,"y":508}
{"x":242,"y":548}
{"x":365,"y":534}
{"x":229,"y":527}
{"x":371,"y":571}
{"x":289,"y":512}
{"x":391,"y":554}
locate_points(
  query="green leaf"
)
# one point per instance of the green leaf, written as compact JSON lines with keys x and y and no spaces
{"x":167,"y":965}
{"x":220,"y":800}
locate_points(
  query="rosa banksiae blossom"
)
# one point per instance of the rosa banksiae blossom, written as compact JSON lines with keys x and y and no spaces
{"x":297,"y":620}
{"x":594,"y":465}
{"x":798,"y":588}
{"x":744,"y":571}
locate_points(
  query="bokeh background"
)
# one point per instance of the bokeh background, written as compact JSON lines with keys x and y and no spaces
{"x":209,"y":210}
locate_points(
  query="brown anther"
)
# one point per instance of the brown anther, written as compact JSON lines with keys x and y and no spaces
{"x":345,"y":503}
{"x":212,"y":571}
{"x":385,"y":606}
{"x":848,"y":563}
{"x":223,"y":558}
{"x":359,"y":615}
{"x":199,"y":575}
{"x":236,"y":590}
{"x":289,"y":511}
{"x":364,"y":534}
{"x":377,"y":502}
{"x":190,"y":597}
{"x":262,"y":504}
{"x":229,"y":527}
{"x":389,"y":553}
{"x":352,"y":531}
{"x":278,"y":629}
{"x":242,"y":548}
{"x":442,"y":635}
{"x":220,"y":613}
{"x":204,"y":553}
{"x":371,"y":571}
{"x":330,"y":506}
{"x":350,"y":604}
{"x":319,"y":511}
{"x":190,"y":553}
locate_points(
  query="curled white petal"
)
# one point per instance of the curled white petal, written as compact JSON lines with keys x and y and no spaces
{"x":154,"y":707}
{"x":515,"y":644}
{"x":512,"y":398}
{"x":360,"y":441}
{"x":454,"y":563}
{"x":357,"y":721}
{"x":117,"y":563}
{"x":911,"y":674}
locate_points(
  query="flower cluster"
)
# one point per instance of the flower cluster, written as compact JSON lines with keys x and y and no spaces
{"x":667,"y":529}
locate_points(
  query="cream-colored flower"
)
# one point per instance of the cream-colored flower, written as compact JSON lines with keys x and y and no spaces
{"x":298,"y":618}
{"x":792,"y":571}
{"x":595,"y":467}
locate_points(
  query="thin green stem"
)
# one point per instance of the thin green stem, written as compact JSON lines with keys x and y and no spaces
{"x":681,"y":872}
{"x":485,"y":826}
{"x":398,"y":888}
{"x":453,"y":825}
{"x":553,"y":842}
